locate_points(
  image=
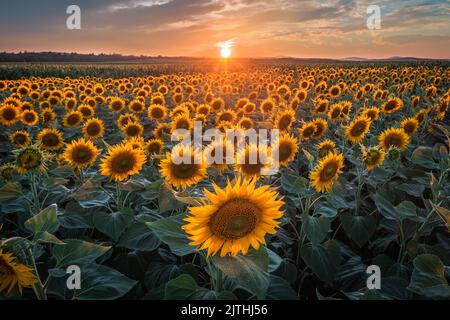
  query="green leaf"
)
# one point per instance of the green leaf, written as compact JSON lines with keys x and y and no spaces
{"x":428,"y":277}
{"x":139,"y":237}
{"x":180,"y":288}
{"x":423,"y":156}
{"x":169,"y":231}
{"x":316,"y":228}
{"x":76,"y":217}
{"x":280,"y":289}
{"x":385,"y":207}
{"x":293,"y":183}
{"x":358,"y":228}
{"x":46,"y":220}
{"x":10,"y":190}
{"x":45,"y":237}
{"x":113,"y":224}
{"x":77,"y":252}
{"x":324,"y":259}
{"x":90,"y":195}
{"x":167,"y":201}
{"x":102,"y":283}
{"x":249,"y":271}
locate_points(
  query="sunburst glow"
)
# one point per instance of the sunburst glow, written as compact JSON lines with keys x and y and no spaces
{"x":225,"y":48}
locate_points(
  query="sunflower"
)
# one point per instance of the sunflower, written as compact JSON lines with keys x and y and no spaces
{"x":122,"y":161}
{"x":357,"y":129}
{"x":321,"y":107}
{"x":133,"y":129}
{"x":14,"y":274}
{"x":116,"y":104}
{"x":372,"y":113}
{"x":7,"y":171}
{"x":321,"y":127}
{"x":217,"y":104}
{"x":234,"y":218}
{"x":373,"y":157}
{"x":226,"y":115}
{"x":86,"y":110}
{"x":216,"y":155}
{"x":50,"y":139}
{"x":136,"y":142}
{"x":284,"y":120}
{"x":161,"y":130}
{"x":20,"y":138}
{"x":307,"y":130}
{"x":249,"y":108}
{"x":182,"y":121}
{"x":392,"y":105}
{"x":394,"y":137}
{"x":80,"y":154}
{"x":31,"y":158}
{"x":136,"y":106}
{"x":334,"y":91}
{"x":326,"y":147}
{"x":183,"y":167}
{"x":73,"y":119}
{"x":267,"y":106}
{"x":124,"y":119}
{"x":253,"y":160}
{"x":286,"y":147}
{"x":47,"y":116}
{"x":29,"y":117}
{"x":93,"y":129}
{"x":410,"y":125}
{"x":335,"y":112}
{"x":154,"y":146}
{"x":203,"y":109}
{"x":245,"y":123}
{"x":9,"y":114}
{"x":157,"y":112}
{"x":327,"y":172}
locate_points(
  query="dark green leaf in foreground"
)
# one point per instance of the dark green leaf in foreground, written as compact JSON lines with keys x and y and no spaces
{"x":249,"y":271}
{"x":169,"y":231}
{"x":46,"y":220}
{"x":358,"y":228}
{"x":102,"y":283}
{"x":324,"y":259}
{"x":316,"y":228}
{"x":139,"y":237}
{"x":77,"y":252}
{"x":428,"y":278}
{"x":113,"y":224}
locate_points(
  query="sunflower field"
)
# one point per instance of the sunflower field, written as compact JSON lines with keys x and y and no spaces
{"x":89,"y":185}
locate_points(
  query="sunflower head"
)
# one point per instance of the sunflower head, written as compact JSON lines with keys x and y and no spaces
{"x":157,"y":112}
{"x":394,"y":138}
{"x":183,"y":166}
{"x":357,"y":129}
{"x":29,"y":117}
{"x":14,"y":274}
{"x":154,"y":146}
{"x":253,"y":160}
{"x":31,"y":159}
{"x":116,"y":104}
{"x":234,"y":218}
{"x":373,"y":157}
{"x":7,"y":171}
{"x":93,"y":129}
{"x":392,"y":105}
{"x":122,"y":161}
{"x":325,"y":147}
{"x":321,"y":127}
{"x":284,"y":120}
{"x":410,"y":125}
{"x":327,"y":172}
{"x":50,"y":139}
{"x":226,"y":115}
{"x":267,"y":106}
{"x":182,"y":121}
{"x":136,"y":106}
{"x":286,"y":147}
{"x":307,"y":130}
{"x":133,"y":129}
{"x":73,"y":119}
{"x":9,"y":114}
{"x":81,"y":154}
{"x":20,"y":138}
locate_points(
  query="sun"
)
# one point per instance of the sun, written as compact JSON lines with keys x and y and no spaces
{"x":225,"y":52}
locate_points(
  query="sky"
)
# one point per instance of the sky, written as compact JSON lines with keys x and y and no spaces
{"x":256,"y":28}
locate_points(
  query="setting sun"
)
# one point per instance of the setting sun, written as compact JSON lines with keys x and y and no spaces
{"x":225,"y":52}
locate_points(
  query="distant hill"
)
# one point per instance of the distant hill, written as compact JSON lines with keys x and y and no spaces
{"x":73,"y":57}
